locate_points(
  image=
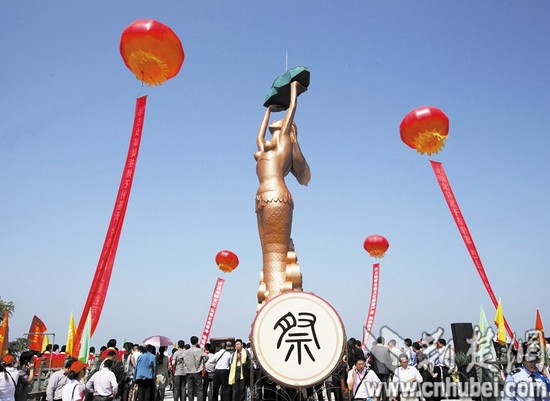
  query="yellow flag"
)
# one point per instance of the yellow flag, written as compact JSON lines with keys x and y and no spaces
{"x":499,"y":321}
{"x":45,"y":342}
{"x":70,"y":336}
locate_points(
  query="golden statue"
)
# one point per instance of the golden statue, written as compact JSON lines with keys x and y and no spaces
{"x":276,"y":157}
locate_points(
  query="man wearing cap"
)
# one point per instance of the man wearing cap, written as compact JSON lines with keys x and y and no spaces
{"x":57,"y":380}
{"x":526,"y":383}
{"x":103,"y":383}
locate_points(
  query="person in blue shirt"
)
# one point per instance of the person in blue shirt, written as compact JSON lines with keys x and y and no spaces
{"x":527,"y":383}
{"x":144,"y":374}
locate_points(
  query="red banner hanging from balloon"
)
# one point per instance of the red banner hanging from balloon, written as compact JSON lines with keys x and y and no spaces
{"x":463,"y":229}
{"x":100,"y":283}
{"x":212,"y":312}
{"x":373,"y":302}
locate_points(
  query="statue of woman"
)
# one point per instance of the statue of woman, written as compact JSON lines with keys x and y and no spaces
{"x":276,"y":157}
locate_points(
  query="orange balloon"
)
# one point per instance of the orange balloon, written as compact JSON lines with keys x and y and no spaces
{"x":376,"y":245}
{"x":425,"y":129}
{"x":152,"y":51}
{"x":227,"y":261}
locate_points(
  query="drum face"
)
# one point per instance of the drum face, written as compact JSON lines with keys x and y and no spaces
{"x":298,"y":339}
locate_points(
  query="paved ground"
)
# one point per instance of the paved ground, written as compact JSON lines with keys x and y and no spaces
{"x":168,"y":395}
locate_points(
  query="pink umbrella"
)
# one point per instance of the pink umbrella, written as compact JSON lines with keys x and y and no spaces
{"x":158,"y":341}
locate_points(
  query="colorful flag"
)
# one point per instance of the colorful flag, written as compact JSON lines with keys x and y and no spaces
{"x":37,"y":339}
{"x":4,"y":340}
{"x":85,"y":339}
{"x":70,"y":336}
{"x":539,"y":327}
{"x":486,"y":348}
{"x":499,"y":321}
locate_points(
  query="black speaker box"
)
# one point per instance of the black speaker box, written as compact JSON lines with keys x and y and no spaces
{"x":461,"y":333}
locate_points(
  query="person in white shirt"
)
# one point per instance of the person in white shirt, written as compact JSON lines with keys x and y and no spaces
{"x":74,"y":389}
{"x":103,"y":383}
{"x":209,"y":369}
{"x":363,"y":384}
{"x":394,"y":353}
{"x":406,"y":377}
{"x":443,"y":365}
{"x":8,"y":378}
{"x":221,"y":373}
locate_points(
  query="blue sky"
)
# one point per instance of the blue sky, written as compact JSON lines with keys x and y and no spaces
{"x":67,"y":107}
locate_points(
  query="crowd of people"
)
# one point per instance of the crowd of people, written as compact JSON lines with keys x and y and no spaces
{"x":134,"y":373}
{"x":422,"y":370}
{"x":428,"y":370}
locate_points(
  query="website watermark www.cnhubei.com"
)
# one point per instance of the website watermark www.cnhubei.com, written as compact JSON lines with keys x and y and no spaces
{"x":454,"y":390}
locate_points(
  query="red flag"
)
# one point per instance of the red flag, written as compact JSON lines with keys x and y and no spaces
{"x":36,"y":336}
{"x":539,"y":327}
{"x":4,"y":340}
{"x":102,"y":277}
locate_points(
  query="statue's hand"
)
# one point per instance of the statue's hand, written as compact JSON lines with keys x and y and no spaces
{"x":299,"y":87}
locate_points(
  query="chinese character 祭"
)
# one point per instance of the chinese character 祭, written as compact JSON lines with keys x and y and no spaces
{"x":297,"y":333}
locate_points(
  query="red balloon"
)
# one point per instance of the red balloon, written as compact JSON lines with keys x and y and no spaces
{"x":227,"y":261}
{"x":152,"y":51}
{"x":376,"y":245}
{"x":425,"y":129}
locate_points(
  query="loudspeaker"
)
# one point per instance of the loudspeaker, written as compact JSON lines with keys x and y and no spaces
{"x":461,"y":333}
